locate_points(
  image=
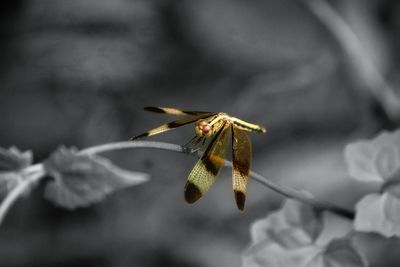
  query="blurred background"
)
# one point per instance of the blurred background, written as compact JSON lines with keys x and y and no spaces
{"x":317,"y":74}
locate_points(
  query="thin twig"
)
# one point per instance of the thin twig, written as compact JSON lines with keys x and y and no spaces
{"x":357,"y":55}
{"x":129,"y":144}
{"x":36,"y":173}
{"x":302,"y":196}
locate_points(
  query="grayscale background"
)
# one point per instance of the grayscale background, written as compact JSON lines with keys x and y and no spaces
{"x":78,"y":72}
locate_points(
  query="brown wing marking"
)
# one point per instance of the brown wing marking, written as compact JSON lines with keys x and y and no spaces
{"x":174,"y":111}
{"x":241,"y":157}
{"x":207,"y":169}
{"x":170,"y":126}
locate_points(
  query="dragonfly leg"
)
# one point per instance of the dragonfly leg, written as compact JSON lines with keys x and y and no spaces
{"x":193,"y":145}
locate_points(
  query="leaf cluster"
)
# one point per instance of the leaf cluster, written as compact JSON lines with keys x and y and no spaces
{"x":77,"y":179}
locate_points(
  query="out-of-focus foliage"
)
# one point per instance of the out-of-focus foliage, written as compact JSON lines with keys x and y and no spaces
{"x":289,"y":237}
{"x":377,"y":160}
{"x":12,"y":161}
{"x":81,"y":180}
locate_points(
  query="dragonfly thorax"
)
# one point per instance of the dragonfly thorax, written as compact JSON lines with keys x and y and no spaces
{"x":204,"y":129}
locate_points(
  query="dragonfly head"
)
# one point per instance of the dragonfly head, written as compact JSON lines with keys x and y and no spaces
{"x":203,"y":129}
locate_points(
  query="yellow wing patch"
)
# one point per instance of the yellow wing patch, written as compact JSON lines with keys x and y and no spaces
{"x":207,"y":168}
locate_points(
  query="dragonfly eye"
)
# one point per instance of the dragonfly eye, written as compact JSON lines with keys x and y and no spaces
{"x":202,"y":123}
{"x":206,"y":129}
{"x":203,"y":129}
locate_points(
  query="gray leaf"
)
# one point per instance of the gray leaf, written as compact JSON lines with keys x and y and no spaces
{"x":14,"y":160}
{"x":374,"y":160}
{"x":378,"y":213}
{"x":339,"y":253}
{"x":81,"y":180}
{"x":287,"y":238}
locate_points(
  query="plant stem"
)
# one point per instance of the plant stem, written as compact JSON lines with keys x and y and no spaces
{"x":129,"y":144}
{"x":302,"y":196}
{"x":35,"y":172}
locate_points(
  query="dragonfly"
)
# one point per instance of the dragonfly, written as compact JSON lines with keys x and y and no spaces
{"x":216,"y":127}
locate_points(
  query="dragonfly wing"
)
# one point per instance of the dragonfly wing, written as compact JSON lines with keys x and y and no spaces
{"x":170,"y":126}
{"x":208,"y":167}
{"x":174,"y":111}
{"x":241,"y":158}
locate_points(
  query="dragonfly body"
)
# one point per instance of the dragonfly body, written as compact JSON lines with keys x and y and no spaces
{"x":208,"y":127}
{"x":217,"y":127}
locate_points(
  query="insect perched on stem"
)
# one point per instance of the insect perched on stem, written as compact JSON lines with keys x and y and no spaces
{"x":216,"y":126}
